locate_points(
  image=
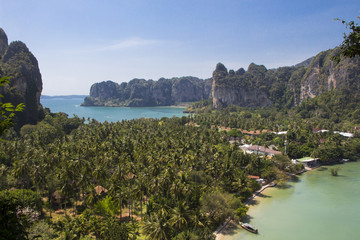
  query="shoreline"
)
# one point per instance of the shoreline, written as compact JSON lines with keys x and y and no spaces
{"x":230,"y":226}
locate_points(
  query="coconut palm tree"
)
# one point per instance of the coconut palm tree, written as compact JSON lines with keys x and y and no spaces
{"x":157,"y":227}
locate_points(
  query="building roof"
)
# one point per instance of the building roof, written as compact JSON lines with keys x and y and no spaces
{"x":256,"y":132}
{"x":281,"y":133}
{"x":345,"y":134}
{"x":306,"y":159}
{"x":263,"y":149}
{"x":99,"y":190}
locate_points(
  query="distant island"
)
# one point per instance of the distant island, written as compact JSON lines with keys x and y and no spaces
{"x":147,"y":93}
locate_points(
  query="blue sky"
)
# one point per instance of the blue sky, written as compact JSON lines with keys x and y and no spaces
{"x":80,"y":42}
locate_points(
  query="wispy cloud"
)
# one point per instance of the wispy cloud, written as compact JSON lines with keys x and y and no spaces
{"x":130,"y":43}
{"x":125,"y":44}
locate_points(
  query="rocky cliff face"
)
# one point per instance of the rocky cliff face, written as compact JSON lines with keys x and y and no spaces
{"x":324,"y":74}
{"x":255,"y":87}
{"x":25,"y":86}
{"x":140,"y":92}
{"x":286,"y":86}
{"x":3,"y":42}
{"x":238,"y":87}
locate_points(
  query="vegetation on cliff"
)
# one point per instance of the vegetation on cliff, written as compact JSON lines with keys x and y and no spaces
{"x":18,"y":63}
{"x":141,"y":93}
{"x":285,"y":87}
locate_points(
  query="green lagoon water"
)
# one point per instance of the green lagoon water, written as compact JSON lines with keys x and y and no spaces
{"x":72,"y":106}
{"x":317,"y":206}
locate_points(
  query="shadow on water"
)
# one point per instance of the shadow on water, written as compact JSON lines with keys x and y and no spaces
{"x":295,"y":179}
{"x":263,"y":195}
{"x":320,"y":169}
{"x":252,"y":202}
{"x":247,"y":219}
{"x":339,"y":176}
{"x":284,"y":186}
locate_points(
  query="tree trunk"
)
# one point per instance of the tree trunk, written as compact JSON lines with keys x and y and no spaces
{"x":141,"y":208}
{"x":65,"y":205}
{"x":50,"y":203}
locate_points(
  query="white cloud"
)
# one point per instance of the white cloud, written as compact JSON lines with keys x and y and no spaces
{"x":130,"y":43}
{"x":125,"y":44}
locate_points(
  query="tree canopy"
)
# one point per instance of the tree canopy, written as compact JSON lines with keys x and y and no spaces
{"x":350,"y":47}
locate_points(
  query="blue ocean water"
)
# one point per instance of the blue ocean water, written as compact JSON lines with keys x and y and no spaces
{"x":72,"y":106}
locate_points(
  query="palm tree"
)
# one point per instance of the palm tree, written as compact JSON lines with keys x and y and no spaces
{"x":179,"y":218}
{"x":156,"y":227}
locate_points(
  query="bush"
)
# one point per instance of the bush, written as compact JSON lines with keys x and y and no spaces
{"x":241,"y":212}
{"x":334,"y":171}
{"x":23,"y":198}
{"x":106,"y":206}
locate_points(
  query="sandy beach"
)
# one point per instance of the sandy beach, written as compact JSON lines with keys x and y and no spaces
{"x":230,"y":227}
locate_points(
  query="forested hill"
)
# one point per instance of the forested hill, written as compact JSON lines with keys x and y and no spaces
{"x":140,"y":92}
{"x":285,"y":87}
{"x":18,"y":63}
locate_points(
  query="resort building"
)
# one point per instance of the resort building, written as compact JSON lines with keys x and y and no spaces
{"x":261,"y":150}
{"x":344,"y":134}
{"x":259,"y":180}
{"x":308,"y":162}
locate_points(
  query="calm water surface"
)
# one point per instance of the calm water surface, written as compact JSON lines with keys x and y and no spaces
{"x":110,"y":114}
{"x":317,"y":206}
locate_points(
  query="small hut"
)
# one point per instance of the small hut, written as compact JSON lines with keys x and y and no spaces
{"x":100,"y":190}
{"x":57,"y":199}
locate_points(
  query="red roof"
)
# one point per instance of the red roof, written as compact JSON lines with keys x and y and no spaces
{"x":253,"y":177}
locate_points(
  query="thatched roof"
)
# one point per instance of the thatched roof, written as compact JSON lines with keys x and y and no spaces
{"x":100,"y":190}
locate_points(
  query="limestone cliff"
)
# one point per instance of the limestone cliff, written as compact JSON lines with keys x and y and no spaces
{"x":285,"y":86}
{"x":256,"y":87}
{"x":3,"y":42}
{"x":141,"y":92}
{"x":324,"y":74}
{"x":25,"y":85}
{"x":239,"y":87}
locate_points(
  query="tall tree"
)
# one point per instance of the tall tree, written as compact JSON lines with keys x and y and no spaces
{"x":350,"y":47}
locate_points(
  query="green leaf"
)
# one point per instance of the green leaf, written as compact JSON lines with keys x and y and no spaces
{"x":4,"y":80}
{"x":7,"y":105}
{"x":20,"y":107}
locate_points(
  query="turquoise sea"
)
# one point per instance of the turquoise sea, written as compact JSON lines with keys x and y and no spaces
{"x":316,"y":206}
{"x":72,"y":106}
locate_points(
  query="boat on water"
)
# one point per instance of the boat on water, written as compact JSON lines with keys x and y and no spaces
{"x":248,"y":227}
